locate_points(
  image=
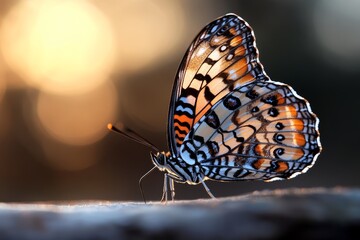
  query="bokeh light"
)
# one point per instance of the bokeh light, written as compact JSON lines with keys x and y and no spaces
{"x":78,"y":119}
{"x":58,"y":46}
{"x":147,"y":31}
{"x":333,"y":22}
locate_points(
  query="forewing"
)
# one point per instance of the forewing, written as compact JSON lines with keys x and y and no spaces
{"x":221,"y":58}
{"x":263,"y":130}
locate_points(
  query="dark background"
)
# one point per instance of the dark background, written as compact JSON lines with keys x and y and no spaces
{"x":313,"y":46}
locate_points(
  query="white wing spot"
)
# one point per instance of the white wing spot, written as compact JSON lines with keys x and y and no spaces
{"x":223,"y":48}
{"x":201,"y":51}
{"x":229,"y":57}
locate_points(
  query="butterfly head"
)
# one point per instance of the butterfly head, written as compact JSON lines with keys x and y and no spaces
{"x":159,"y":159}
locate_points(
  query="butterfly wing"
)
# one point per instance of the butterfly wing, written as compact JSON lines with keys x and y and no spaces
{"x":228,"y":116}
{"x":263,"y":130}
{"x":221,"y":58}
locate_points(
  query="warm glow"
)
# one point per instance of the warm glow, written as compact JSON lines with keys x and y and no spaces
{"x":78,"y":119}
{"x":57,"y":45}
{"x":147,"y":31}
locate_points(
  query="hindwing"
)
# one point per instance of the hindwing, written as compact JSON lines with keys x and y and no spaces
{"x":263,"y":130}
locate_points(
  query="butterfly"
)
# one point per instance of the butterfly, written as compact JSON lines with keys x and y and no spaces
{"x":227,"y":120}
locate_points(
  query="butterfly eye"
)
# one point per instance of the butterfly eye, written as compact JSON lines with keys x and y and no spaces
{"x":158,"y":159}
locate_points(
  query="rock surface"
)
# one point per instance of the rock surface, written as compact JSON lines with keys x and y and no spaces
{"x":315,"y":213}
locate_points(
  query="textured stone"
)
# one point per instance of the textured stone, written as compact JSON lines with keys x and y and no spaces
{"x":316,"y":213}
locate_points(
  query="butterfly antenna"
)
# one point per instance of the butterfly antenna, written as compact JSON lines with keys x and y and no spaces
{"x":127,"y":132}
{"x":140,"y":181}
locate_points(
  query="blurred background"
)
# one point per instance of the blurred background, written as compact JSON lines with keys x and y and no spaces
{"x":67,"y":68}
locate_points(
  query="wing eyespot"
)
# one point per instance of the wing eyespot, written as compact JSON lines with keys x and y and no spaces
{"x":273,"y":112}
{"x":255,"y":109}
{"x":278,"y":137}
{"x":252,"y":94}
{"x":232,"y":102}
{"x":279,"y":126}
{"x":278,"y":152}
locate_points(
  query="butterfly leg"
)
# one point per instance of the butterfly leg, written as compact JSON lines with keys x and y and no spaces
{"x":207,"y":189}
{"x":172,"y":189}
{"x":164,"y":197}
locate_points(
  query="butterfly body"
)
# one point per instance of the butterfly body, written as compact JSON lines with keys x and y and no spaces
{"x":178,"y":169}
{"x":228,"y":121}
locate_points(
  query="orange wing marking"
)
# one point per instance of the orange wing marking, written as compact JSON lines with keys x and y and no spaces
{"x":235,"y":41}
{"x":282,"y":167}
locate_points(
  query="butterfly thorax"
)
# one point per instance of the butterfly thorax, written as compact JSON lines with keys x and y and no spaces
{"x":176,"y":168}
